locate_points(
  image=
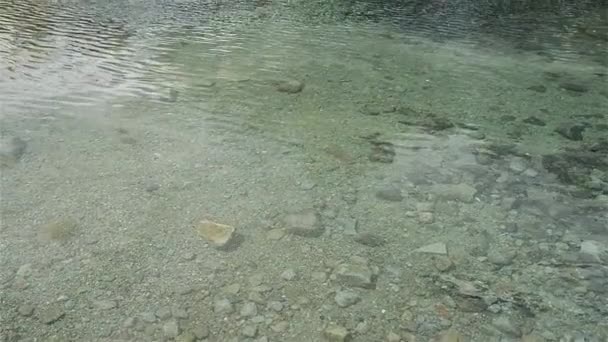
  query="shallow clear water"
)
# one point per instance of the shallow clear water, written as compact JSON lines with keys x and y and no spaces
{"x":421,"y":171}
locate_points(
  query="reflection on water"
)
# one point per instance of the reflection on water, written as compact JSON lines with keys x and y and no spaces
{"x":297,"y":171}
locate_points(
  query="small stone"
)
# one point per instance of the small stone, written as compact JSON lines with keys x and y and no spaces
{"x":288,"y":274}
{"x":279,"y":326}
{"x":129,"y":322}
{"x":571,"y":132}
{"x":455,"y":192}
{"x":249,"y":331}
{"x":346,"y":298}
{"x":290,"y":86}
{"x":219,"y":235}
{"x":506,"y":325}
{"x":148,"y":317}
{"x":501,"y":257}
{"x":393,"y":337}
{"x":163,"y":313}
{"x":369,"y":239}
{"x":275,"y":306}
{"x":574,"y":87}
{"x":532,"y":338}
{"x":276,"y":234}
{"x":451,"y":336}
{"x":591,"y":251}
{"x":382,"y":152}
{"x":11,"y":151}
{"x":319,"y":276}
{"x":532,"y":120}
{"x":51,"y":314}
{"x":186,"y":336}
{"x":530,"y":173}
{"x":389,"y":193}
{"x":348,"y":225}
{"x":104,"y":304}
{"x":26,"y":310}
{"x":223,"y":306}
{"x":171,"y":329}
{"x":179,"y":313}
{"x":362,"y":327}
{"x":59,"y":229}
{"x":201,"y":332}
{"x":538,"y":88}
{"x":336,"y":333}
{"x":355,"y":275}
{"x":434,"y":248}
{"x":232,"y":289}
{"x":249,"y":309}
{"x":426,"y":217}
{"x":304,"y":223}
{"x":443,"y":263}
{"x":517,"y":164}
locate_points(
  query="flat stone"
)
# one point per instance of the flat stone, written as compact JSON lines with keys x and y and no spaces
{"x":356,"y":275}
{"x":571,"y":132}
{"x":450,"y":336}
{"x":219,"y":235}
{"x":369,"y":239}
{"x":389,"y":193}
{"x":280,"y":326}
{"x":290,"y":86}
{"x":393,"y":337}
{"x":346,"y":298}
{"x":249,"y":331}
{"x":507,"y":326}
{"x":276,"y":234}
{"x":591,"y":251}
{"x":288,"y":274}
{"x":304,"y":223}
{"x":171,"y":329}
{"x":336,"y":333}
{"x":434,"y":248}
{"x":532,"y":120}
{"x":51,"y":314}
{"x":26,"y":310}
{"x":249,"y":309}
{"x":104,"y":304}
{"x":223,"y":306}
{"x":501,"y":257}
{"x":455,"y":192}
{"x":574,"y":87}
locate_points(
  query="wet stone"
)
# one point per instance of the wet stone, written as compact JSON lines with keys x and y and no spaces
{"x":171,"y":329}
{"x":455,"y":192}
{"x":355,"y":275}
{"x":51,"y":314}
{"x":11,"y":151}
{"x":304,"y":223}
{"x":389,"y":193}
{"x":532,"y":120}
{"x":434,"y":248}
{"x":336,"y":333}
{"x":507,"y":325}
{"x":249,"y":309}
{"x":163,"y":313}
{"x":288,"y":274}
{"x":538,"y":88}
{"x":223,"y":306}
{"x":591,"y":251}
{"x":148,"y":317}
{"x":25,"y":310}
{"x":346,"y":298}
{"x":249,"y":331}
{"x":571,"y":132}
{"x":501,"y":257}
{"x":290,"y":86}
{"x":574,"y":87}
{"x":369,"y":239}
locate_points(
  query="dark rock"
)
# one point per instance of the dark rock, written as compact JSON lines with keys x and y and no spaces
{"x":574,"y":132}
{"x":290,"y":86}
{"x":532,"y":120}
{"x":538,"y":88}
{"x":574,"y":87}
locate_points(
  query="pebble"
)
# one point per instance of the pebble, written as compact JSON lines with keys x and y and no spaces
{"x":26,"y":310}
{"x":393,"y":337}
{"x":319,"y":276}
{"x":249,"y":309}
{"x":389,"y":193}
{"x":574,"y":87}
{"x":501,"y":257}
{"x":369,"y":239}
{"x":517,"y":165}
{"x":148,"y":317}
{"x":571,"y":132}
{"x":426,"y":217}
{"x":346,"y":298}
{"x":455,"y":192}
{"x":186,"y":336}
{"x":336,"y":333}
{"x":11,"y":150}
{"x":304,"y":223}
{"x":507,"y":326}
{"x":201,"y":332}
{"x":591,"y":251}
{"x":289,"y":274}
{"x":355,"y":275}
{"x":276,"y":234}
{"x":223,"y":306}
{"x":179,"y":313}
{"x":443,"y":263}
{"x":434,"y":248}
{"x":275,"y":306}
{"x":171,"y":329}
{"x":232,"y":289}
{"x":348,"y":225}
{"x":219,"y":235}
{"x":538,"y":88}
{"x":290,"y":86}
{"x":280,"y":326}
{"x":51,"y":314}
{"x":532,"y":338}
{"x":104,"y":304}
{"x":249,"y":331}
{"x":532,"y":120}
{"x":163,"y":313}
{"x":451,"y":336}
